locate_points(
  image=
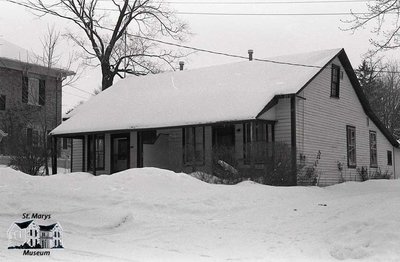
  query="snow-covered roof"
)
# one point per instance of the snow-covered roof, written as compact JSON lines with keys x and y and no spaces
{"x":15,"y":52}
{"x":14,"y":56}
{"x":230,"y":92}
{"x":25,"y":224}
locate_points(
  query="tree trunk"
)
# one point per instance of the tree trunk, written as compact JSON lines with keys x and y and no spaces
{"x":107,"y":76}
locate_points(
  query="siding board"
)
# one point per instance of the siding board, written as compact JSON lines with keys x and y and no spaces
{"x":322,"y":124}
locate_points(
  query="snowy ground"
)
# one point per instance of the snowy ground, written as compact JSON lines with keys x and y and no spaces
{"x":157,"y":215}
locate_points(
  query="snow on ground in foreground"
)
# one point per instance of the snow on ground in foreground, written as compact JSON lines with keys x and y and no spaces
{"x":156,"y":215}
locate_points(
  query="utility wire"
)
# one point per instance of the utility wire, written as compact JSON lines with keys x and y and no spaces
{"x":256,"y":2}
{"x":81,"y":90}
{"x":65,"y":92}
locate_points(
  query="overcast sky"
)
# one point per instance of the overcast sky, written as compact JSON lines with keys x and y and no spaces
{"x":267,"y":35}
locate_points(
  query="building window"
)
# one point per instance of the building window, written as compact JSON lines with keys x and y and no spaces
{"x":65,"y":143}
{"x":33,"y":91}
{"x":335,"y":81}
{"x":373,"y":154}
{"x":351,"y":146}
{"x":2,"y":102}
{"x":32,"y":137}
{"x":389,"y":158}
{"x":256,"y":138}
{"x":99,"y":154}
{"x":193,"y":144}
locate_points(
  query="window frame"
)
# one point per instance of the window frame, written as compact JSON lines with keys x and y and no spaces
{"x":39,"y":99}
{"x":3,"y":102}
{"x":351,"y":163}
{"x":251,"y":134}
{"x":373,"y":151}
{"x":389,"y":155}
{"x":335,"y":81}
{"x":97,"y":153}
{"x":187,"y":146}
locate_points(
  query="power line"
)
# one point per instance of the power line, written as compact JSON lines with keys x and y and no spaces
{"x":265,"y":2}
{"x":272,"y":14}
{"x":81,"y":90}
{"x":257,"y":2}
{"x":65,"y":92}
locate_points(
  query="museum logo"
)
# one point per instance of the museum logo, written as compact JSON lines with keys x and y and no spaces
{"x":33,"y":235}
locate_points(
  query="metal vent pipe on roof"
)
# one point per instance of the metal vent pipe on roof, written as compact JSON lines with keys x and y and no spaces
{"x":250,"y":54}
{"x":181,"y":64}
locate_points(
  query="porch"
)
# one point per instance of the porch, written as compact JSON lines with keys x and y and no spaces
{"x":248,"y":148}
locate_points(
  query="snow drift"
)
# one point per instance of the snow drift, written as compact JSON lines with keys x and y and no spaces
{"x":157,"y":215}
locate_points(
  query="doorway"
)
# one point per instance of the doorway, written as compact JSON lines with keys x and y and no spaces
{"x":120,"y":152}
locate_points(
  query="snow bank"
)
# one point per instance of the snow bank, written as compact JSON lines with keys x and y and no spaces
{"x":152,"y":214}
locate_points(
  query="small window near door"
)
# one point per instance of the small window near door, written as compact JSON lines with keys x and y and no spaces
{"x":389,"y":158}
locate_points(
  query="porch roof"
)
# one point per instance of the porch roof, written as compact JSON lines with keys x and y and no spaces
{"x":230,"y":92}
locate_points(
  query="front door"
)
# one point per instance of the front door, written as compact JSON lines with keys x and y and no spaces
{"x":120,"y":152}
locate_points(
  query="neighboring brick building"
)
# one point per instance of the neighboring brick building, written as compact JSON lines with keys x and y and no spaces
{"x":30,"y":98}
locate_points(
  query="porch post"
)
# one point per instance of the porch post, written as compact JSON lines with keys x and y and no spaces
{"x":54,"y":155}
{"x":94,"y":154}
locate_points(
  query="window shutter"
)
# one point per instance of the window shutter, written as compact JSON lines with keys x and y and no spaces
{"x":42,"y":92}
{"x":24,"y":89}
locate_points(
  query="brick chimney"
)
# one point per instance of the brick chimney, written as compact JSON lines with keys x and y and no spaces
{"x":181,"y":64}
{"x":250,"y":54}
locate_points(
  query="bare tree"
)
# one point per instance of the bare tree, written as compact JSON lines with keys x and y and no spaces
{"x":381,"y":85}
{"x":384,"y":16}
{"x":118,"y":37}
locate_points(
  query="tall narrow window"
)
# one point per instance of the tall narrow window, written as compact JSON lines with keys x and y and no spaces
{"x":389,"y":158}
{"x":25,"y":89}
{"x":373,"y":155}
{"x":335,"y":81}
{"x":99,"y":154}
{"x":255,"y":141}
{"x":29,"y":136}
{"x":193,"y":142}
{"x":33,"y":91}
{"x":2,"y":102}
{"x":65,"y":143}
{"x":42,"y":92}
{"x":351,"y":146}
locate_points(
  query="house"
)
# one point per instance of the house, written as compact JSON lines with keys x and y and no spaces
{"x":304,"y":110}
{"x":30,"y":97}
{"x":51,"y":236}
{"x":28,"y":234}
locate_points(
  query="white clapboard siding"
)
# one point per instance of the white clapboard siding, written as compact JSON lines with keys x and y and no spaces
{"x":321,"y":126}
{"x":283,"y":124}
{"x":77,"y":155}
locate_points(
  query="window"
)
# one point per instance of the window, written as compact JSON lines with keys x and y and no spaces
{"x":2,"y":102}
{"x":335,"y":81}
{"x":372,"y":149}
{"x":32,"y":137}
{"x":33,"y":91}
{"x":351,"y":146}
{"x":99,"y":154}
{"x":193,"y":144}
{"x":65,"y":143}
{"x":389,"y":158}
{"x":256,"y":138}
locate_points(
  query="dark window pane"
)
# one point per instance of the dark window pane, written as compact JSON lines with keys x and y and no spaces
{"x":2,"y":102}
